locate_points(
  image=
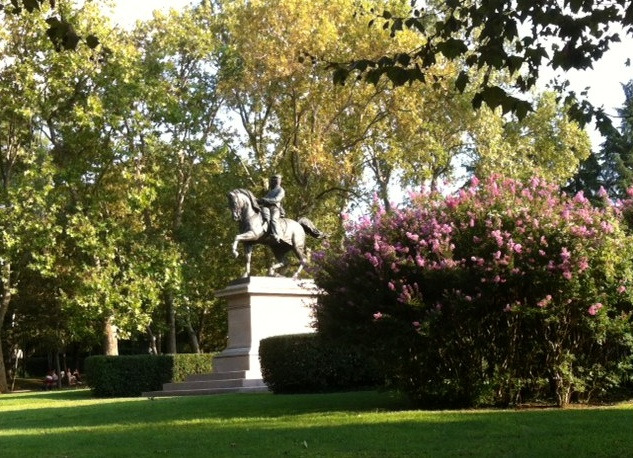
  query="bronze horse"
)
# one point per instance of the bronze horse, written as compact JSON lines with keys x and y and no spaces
{"x":246,"y":210}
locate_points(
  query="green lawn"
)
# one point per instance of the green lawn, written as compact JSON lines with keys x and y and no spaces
{"x":72,"y":424}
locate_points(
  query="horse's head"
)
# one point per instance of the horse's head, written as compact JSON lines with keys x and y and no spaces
{"x":234,"y":204}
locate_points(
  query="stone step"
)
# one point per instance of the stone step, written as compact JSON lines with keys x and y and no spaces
{"x":206,"y":391}
{"x":214,"y":383}
{"x":202,"y":384}
{"x":215,"y":376}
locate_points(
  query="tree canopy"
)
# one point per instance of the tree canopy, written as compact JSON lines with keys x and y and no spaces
{"x":519,"y":37}
{"x":114,"y":167}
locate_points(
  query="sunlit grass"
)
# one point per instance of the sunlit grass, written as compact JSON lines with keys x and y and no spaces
{"x":72,"y":424}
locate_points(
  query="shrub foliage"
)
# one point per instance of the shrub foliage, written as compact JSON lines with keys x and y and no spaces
{"x":123,"y":376}
{"x":305,"y":363}
{"x":506,"y":292}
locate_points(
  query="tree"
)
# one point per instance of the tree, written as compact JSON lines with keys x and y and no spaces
{"x":60,"y":31}
{"x":27,"y":225}
{"x":610,"y":168}
{"x":545,"y":144}
{"x":181,"y":56}
{"x":79,"y":110}
{"x":616,"y":153}
{"x":514,"y":36}
{"x":349,"y":142}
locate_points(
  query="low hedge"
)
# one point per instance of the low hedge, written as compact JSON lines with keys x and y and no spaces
{"x":306,"y":363}
{"x":126,"y":376}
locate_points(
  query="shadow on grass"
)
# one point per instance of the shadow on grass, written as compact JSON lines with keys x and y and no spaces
{"x":350,"y":424}
{"x":103,"y":412}
{"x":64,"y":394}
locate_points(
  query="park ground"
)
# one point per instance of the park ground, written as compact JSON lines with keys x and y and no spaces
{"x":71,"y":423}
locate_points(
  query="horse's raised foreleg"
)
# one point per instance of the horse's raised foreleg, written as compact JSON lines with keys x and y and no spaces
{"x":249,"y":236}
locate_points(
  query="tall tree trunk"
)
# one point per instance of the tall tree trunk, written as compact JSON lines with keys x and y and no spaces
{"x":110,"y":340}
{"x":152,"y":342}
{"x":193,"y":338}
{"x":4,"y":306}
{"x":4,"y":386}
{"x":159,"y":343}
{"x":171,"y":319}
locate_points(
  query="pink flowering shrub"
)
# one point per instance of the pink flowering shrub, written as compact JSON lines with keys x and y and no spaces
{"x":502,"y":293}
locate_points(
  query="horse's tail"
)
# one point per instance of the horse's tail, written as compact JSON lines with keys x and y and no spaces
{"x":311,"y":229}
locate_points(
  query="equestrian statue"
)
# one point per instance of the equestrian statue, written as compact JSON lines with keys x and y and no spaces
{"x":263,"y":221}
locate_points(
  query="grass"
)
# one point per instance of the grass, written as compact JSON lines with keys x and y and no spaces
{"x":72,"y":424}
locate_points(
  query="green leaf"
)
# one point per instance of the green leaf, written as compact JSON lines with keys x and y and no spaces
{"x":340,"y":75}
{"x":403,"y":59}
{"x":373,"y":76}
{"x":92,"y":41}
{"x":522,"y":108}
{"x":398,"y":76}
{"x":462,"y":81}
{"x":31,"y":5}
{"x":493,"y":96}
{"x":452,"y":48}
{"x":71,"y":39}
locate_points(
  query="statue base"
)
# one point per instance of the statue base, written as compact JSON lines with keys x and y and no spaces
{"x":258,"y":307}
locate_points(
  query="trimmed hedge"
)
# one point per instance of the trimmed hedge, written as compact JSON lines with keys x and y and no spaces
{"x":128,"y":376}
{"x":306,"y":363}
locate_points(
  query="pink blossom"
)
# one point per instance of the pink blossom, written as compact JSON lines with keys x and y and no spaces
{"x":416,"y":324}
{"x":565,"y":254}
{"x":580,"y":197}
{"x":602,"y":193}
{"x":517,"y":248}
{"x":583,"y":264}
{"x":593,"y":309}
{"x":378,"y":316}
{"x":606,"y":227}
{"x":545,"y":301}
{"x":391,"y":286}
{"x":567,"y":275}
{"x":621,"y":289}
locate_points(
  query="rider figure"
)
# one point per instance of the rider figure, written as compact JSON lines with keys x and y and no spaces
{"x":272,"y":209}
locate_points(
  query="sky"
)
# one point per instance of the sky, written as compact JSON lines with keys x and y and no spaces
{"x":604,"y":80}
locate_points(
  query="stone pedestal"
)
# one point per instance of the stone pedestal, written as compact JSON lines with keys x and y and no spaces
{"x":260,"y":307}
